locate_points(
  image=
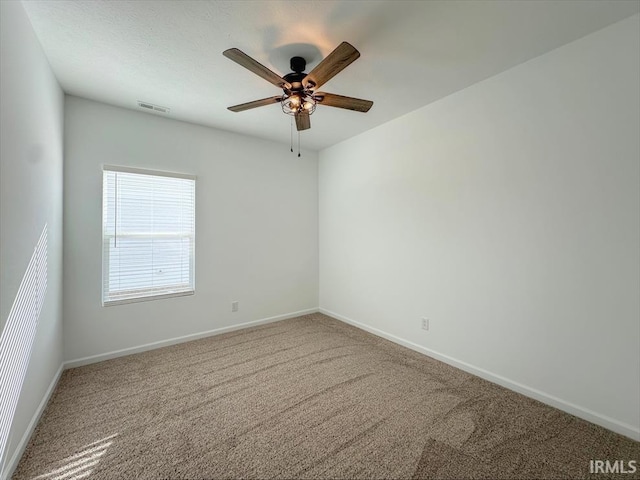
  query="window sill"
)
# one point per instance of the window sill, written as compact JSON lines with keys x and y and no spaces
{"x":148,"y":298}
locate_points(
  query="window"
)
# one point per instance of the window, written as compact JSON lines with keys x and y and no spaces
{"x":148,"y":235}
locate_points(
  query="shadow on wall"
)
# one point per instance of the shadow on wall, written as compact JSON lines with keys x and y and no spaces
{"x":16,"y":341}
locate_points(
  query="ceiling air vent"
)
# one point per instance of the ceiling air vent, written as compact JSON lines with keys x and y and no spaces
{"x":151,"y":106}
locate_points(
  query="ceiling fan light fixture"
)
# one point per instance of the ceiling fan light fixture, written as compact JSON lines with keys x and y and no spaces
{"x":297,"y":103}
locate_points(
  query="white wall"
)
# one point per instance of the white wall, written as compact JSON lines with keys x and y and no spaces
{"x":31,"y":122}
{"x":508,"y":214}
{"x":256,"y":227}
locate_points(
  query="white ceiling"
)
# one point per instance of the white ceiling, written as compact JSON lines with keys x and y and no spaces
{"x":412,"y":52}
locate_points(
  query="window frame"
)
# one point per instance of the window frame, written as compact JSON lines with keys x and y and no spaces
{"x":105,"y":244}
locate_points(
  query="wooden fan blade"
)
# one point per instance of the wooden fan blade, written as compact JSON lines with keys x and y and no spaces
{"x":249,"y":63}
{"x":256,"y":103}
{"x":334,"y":63}
{"x":350,"y":103}
{"x":303,"y":121}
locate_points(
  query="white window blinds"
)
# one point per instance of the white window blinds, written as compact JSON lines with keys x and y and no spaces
{"x":148,"y":223}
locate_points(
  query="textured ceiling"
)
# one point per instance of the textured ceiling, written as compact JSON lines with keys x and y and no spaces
{"x":413,"y":52}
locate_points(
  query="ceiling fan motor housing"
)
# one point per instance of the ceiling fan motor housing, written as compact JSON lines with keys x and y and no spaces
{"x":297,"y":64}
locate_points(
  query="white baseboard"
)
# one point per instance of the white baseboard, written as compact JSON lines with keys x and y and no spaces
{"x":584,"y":413}
{"x":24,"y":441}
{"x":186,"y":338}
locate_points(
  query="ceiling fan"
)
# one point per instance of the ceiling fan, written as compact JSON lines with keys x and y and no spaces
{"x":300,"y":96}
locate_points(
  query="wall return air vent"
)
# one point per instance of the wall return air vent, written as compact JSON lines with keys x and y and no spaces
{"x":151,"y":106}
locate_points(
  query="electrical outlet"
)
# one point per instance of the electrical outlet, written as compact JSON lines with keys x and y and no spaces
{"x":425,"y":323}
{"x":235,"y":306}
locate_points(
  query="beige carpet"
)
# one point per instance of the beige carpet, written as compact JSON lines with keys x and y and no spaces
{"x":309,"y":397}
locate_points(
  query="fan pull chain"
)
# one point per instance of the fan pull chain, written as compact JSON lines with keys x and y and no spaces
{"x":291,"y":129}
{"x":298,"y":143}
